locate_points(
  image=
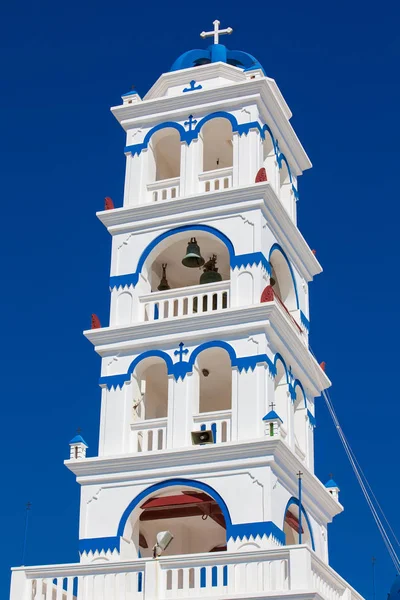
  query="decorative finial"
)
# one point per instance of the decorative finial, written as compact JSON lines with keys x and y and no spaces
{"x":323,"y":365}
{"x":217,"y":32}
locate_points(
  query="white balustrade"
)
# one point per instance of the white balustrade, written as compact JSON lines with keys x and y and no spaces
{"x":219,"y":422}
{"x":216,"y":180}
{"x":211,"y":575}
{"x":149,"y":435}
{"x":165,"y":189}
{"x":180,"y":302}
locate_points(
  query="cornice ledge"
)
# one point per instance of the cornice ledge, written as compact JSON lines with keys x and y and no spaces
{"x":141,"y":332}
{"x":267,"y":316}
{"x":135,"y":464}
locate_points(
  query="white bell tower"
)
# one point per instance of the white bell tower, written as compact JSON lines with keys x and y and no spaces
{"x":207,"y":382}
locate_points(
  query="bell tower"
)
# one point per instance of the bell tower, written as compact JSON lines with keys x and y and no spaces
{"x":204,"y":481}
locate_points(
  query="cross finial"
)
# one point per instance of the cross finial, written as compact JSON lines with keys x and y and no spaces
{"x":299,"y":474}
{"x":272,"y":405}
{"x":79,"y":431}
{"x":217,"y":32}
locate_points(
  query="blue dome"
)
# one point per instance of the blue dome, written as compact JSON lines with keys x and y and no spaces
{"x":394,"y":593}
{"x":216,"y":53}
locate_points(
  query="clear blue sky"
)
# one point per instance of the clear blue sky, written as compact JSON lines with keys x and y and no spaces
{"x":61,"y":152}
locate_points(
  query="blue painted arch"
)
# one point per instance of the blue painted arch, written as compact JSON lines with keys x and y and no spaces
{"x":278,"y":248}
{"x":214,"y":344}
{"x":159,"y":127}
{"x":297,"y":384}
{"x":295,"y":501}
{"x":171,"y":483}
{"x":279,"y":357}
{"x":235,"y":260}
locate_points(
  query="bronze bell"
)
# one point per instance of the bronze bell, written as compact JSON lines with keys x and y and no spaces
{"x":210,"y":274}
{"x":164,"y":283}
{"x":193,"y":258}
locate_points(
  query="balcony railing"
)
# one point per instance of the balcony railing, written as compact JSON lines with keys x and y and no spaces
{"x":180,"y":302}
{"x":294,"y":569}
{"x":166,"y":189}
{"x":214,"y":181}
{"x":219,"y":422}
{"x":149,"y":435}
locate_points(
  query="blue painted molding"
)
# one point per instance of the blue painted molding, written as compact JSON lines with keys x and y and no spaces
{"x":240,"y":260}
{"x":304,"y":320}
{"x":295,"y":501}
{"x":169,"y":483}
{"x":100,"y":544}
{"x":245,"y":530}
{"x":181,"y":368}
{"x":311,"y":418}
{"x":192,"y":134}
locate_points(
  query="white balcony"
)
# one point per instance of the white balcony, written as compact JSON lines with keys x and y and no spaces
{"x":165,"y":189}
{"x":219,"y":422}
{"x":180,"y":302}
{"x":149,"y":435}
{"x":290,"y":569}
{"x":216,"y":180}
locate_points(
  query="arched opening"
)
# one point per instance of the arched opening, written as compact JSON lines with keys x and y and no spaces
{"x":216,"y":138}
{"x":283,"y":285}
{"x":300,"y":424}
{"x":164,"y":164}
{"x":291,"y":525}
{"x":194,"y":518}
{"x":149,"y":405}
{"x":281,"y":399}
{"x":165,"y":271}
{"x":213,"y":401}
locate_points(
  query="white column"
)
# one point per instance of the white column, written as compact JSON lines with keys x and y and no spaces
{"x":181,"y":422}
{"x":191,"y":166}
{"x":300,"y":575}
{"x":135,"y":185}
{"x":19,"y":587}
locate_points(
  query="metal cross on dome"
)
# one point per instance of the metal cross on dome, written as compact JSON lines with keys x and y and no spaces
{"x":217,"y":32}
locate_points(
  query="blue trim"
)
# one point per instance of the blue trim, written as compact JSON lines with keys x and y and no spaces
{"x":278,"y":248}
{"x":241,"y":260}
{"x":247,"y":530}
{"x":100,"y":544}
{"x":296,"y":502}
{"x":216,"y":53}
{"x":203,"y":577}
{"x":129,"y":93}
{"x":118,"y":380}
{"x":272,"y":416}
{"x":311,"y":418}
{"x":280,"y":357}
{"x":189,"y":136}
{"x":240,"y":530}
{"x":331,"y":483}
{"x":170,"y":483}
{"x":304,"y":320}
{"x":181,"y":368}
{"x":78,"y":439}
{"x":296,"y":384}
